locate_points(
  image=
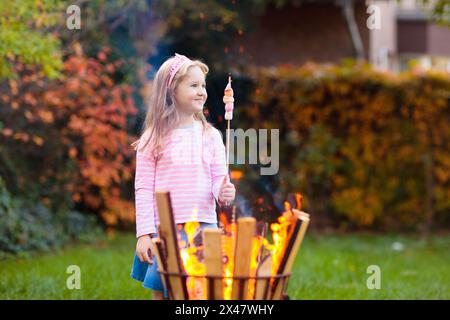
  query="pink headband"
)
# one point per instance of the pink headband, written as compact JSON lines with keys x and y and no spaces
{"x":178,"y":63}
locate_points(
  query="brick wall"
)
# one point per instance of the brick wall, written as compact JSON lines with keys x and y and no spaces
{"x":312,"y":32}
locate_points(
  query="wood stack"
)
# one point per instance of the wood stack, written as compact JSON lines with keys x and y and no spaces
{"x":294,"y":240}
{"x":168,"y":250}
{"x":212,"y":239}
{"x":265,"y":286}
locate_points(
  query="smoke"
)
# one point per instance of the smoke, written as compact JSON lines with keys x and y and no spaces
{"x":272,"y":192}
{"x":243,"y":208}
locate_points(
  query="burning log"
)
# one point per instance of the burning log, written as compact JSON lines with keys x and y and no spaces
{"x":295,"y":238}
{"x":244,"y":241}
{"x":168,"y":235}
{"x":238,"y":263}
{"x":263,"y":283}
{"x":262,"y":231}
{"x":212,"y":239}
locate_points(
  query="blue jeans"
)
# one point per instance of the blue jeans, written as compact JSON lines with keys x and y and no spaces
{"x":148,"y":273}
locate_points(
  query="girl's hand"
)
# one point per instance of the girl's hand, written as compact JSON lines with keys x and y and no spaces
{"x":144,"y":249}
{"x":227,"y":191}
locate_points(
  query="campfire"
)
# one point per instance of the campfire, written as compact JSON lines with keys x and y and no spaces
{"x":234,"y":262}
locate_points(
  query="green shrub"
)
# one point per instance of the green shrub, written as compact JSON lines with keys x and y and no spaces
{"x":26,"y":226}
{"x":367,"y":149}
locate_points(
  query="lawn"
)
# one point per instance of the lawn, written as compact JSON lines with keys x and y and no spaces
{"x":328,"y":267}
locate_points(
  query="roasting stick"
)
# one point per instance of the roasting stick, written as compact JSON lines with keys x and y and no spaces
{"x":228,"y":100}
{"x":229,"y":106}
{"x":228,"y":146}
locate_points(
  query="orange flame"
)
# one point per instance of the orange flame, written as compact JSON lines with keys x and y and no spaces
{"x":256,"y":247}
{"x":193,"y":266}
{"x":236,"y":174}
{"x":190,"y":258}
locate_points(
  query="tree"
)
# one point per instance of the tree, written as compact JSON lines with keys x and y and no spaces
{"x":440,"y":10}
{"x":25,"y":36}
{"x":65,"y":141}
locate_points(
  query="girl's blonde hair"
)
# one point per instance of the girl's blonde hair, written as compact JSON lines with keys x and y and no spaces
{"x":162,"y":116}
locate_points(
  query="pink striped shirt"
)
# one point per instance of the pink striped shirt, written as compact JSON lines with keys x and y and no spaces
{"x":192,"y":167}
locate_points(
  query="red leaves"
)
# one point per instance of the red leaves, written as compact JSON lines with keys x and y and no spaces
{"x":85,"y":115}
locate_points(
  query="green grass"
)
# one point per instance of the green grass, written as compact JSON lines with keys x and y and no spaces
{"x":335,"y":267}
{"x":328,"y":267}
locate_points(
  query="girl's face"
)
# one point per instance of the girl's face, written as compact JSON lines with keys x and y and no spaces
{"x":190,"y":93}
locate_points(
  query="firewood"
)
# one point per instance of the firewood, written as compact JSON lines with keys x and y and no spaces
{"x":157,"y":250}
{"x":262,"y":232}
{"x":262,"y":290}
{"x":244,"y":242}
{"x":212,"y":239}
{"x":295,"y":239}
{"x":168,"y":235}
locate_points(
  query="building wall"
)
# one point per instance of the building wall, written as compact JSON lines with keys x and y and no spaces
{"x":383,"y":41}
{"x":423,"y":37}
{"x":412,"y":36}
{"x":438,"y":40}
{"x":294,"y":35}
{"x":318,"y":32}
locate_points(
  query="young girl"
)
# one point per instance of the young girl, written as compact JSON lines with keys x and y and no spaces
{"x":181,"y":152}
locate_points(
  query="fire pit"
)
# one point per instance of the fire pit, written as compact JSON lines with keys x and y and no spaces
{"x":235,"y":262}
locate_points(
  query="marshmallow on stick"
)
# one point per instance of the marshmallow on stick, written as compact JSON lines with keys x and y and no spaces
{"x":228,"y":100}
{"x":229,"y":106}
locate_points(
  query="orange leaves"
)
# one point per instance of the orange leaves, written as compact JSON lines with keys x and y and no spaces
{"x":45,"y":115}
{"x":13,"y":87}
{"x":104,"y":166}
{"x":50,"y":98}
{"x":7,"y":132}
{"x":117,"y":210}
{"x":92,"y":201}
{"x":29,"y":99}
{"x":29,"y":116}
{"x":107,"y":81}
{"x":73,"y":84}
{"x":110,"y":68}
{"x":361,"y":207}
{"x":38,"y":140}
{"x":73,"y":152}
{"x":76,"y":197}
{"x":101,"y":56}
{"x":21,"y":136}
{"x":83,"y":117}
{"x":76,"y":123}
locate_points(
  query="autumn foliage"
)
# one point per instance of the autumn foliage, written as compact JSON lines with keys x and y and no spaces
{"x":65,"y":142}
{"x":366,"y":148}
